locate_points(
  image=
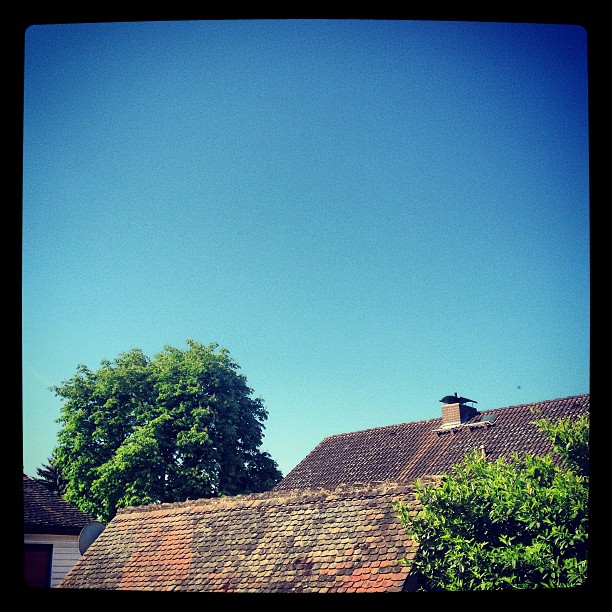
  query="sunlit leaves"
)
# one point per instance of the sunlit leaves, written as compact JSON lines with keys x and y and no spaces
{"x":181,"y":425}
{"x":515,"y":523}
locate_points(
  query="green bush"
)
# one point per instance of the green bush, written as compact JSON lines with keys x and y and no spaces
{"x":520,"y":522}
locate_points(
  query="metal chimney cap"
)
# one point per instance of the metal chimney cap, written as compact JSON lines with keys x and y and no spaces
{"x":455,"y":399}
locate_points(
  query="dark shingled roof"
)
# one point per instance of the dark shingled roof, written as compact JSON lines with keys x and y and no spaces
{"x":47,"y":512}
{"x":402,"y":453}
{"x":328,"y":526}
{"x":345,"y":540}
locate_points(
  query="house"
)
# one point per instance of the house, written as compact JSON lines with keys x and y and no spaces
{"x":327,"y":527}
{"x":51,"y":529}
{"x":404,"y":452}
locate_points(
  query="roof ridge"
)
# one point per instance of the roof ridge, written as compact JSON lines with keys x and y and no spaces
{"x":536,"y":403}
{"x":483,"y":410}
{"x":379,"y":427}
{"x":279,"y":497}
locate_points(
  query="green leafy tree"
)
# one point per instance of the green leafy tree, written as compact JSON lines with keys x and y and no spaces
{"x":520,"y":522}
{"x":51,"y":476}
{"x":183,"y":425}
{"x":570,"y":440}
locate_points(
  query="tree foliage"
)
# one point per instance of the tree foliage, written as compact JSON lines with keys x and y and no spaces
{"x":520,"y":522}
{"x":183,"y":425}
{"x":51,"y":476}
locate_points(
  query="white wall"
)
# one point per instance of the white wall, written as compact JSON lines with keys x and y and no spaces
{"x":65,"y":552}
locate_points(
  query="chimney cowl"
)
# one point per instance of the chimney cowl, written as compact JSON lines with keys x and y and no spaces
{"x":455,"y":411}
{"x":455,"y":399}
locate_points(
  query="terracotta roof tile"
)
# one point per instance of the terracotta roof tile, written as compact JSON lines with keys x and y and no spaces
{"x":319,"y":530}
{"x":299,"y":541}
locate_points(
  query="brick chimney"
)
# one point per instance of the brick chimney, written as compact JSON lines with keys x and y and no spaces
{"x":455,"y":411}
{"x":455,"y":414}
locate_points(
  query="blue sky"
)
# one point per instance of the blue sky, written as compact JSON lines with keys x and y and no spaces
{"x":368,"y":214}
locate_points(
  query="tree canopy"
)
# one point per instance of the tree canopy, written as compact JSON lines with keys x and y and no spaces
{"x":520,"y":522}
{"x":51,"y":476}
{"x":139,"y":430}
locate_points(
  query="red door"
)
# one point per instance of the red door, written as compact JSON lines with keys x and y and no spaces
{"x":37,"y":562}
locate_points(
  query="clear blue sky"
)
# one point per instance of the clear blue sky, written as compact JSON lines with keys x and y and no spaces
{"x":369,"y":215}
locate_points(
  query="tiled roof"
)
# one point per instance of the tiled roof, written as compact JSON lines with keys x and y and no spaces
{"x":328,"y":526}
{"x":402,"y":453}
{"x":47,"y":512}
{"x":345,"y":540}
